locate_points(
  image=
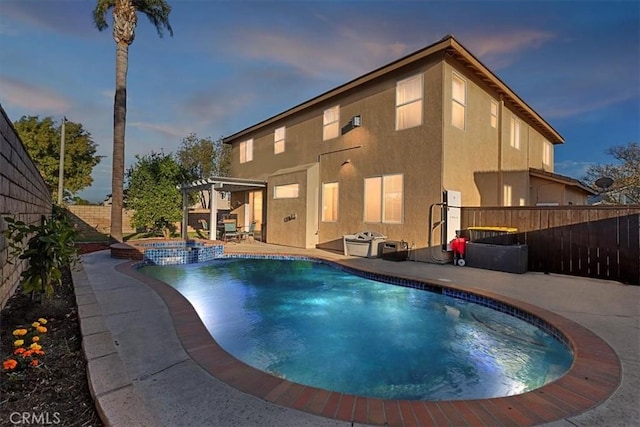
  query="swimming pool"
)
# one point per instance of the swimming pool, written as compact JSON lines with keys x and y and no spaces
{"x":321,"y":326}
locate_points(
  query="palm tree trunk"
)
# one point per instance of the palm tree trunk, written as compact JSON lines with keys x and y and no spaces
{"x":119,"y":124}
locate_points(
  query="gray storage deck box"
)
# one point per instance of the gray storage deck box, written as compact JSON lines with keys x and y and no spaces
{"x":508,"y":258}
{"x":363,"y":244}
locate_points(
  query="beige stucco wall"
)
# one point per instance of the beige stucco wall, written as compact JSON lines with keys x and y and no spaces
{"x":479,"y":160}
{"x":432,"y":158}
{"x":544,"y":191}
{"x":292,"y":222}
{"x":374,"y":149}
{"x":471,"y":155}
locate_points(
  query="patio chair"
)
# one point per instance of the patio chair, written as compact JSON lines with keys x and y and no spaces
{"x":249,"y":234}
{"x":230,"y":231}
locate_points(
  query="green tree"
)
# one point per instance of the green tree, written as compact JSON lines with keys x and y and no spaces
{"x":42,"y":140}
{"x":625,"y":174}
{"x":124,"y":25}
{"x":153,"y":194}
{"x":204,"y":158}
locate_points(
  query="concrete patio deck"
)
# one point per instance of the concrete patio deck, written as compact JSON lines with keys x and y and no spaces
{"x":142,"y":374}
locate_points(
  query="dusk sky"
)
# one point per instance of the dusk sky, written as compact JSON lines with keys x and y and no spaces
{"x":231,"y":64}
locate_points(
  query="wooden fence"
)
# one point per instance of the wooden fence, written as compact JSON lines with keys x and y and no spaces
{"x":587,"y":241}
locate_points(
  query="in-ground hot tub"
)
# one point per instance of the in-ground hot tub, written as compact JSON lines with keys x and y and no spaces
{"x":167,"y":252}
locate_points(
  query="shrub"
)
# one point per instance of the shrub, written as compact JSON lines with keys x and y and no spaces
{"x":50,"y":247}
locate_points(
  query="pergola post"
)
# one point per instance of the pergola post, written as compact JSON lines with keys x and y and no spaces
{"x":185,"y":213}
{"x":213,"y":213}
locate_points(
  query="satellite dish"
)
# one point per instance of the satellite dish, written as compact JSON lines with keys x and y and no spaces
{"x":604,"y":182}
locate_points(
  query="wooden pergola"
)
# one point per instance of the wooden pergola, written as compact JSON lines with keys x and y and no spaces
{"x":218,"y":183}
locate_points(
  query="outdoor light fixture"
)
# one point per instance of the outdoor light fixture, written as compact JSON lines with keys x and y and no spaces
{"x":356,"y":121}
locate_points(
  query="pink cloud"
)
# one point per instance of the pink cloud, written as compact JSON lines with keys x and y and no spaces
{"x":32,"y":98}
{"x":500,"y":49}
{"x":583,"y":106}
{"x":351,"y":56}
{"x":163,"y":129}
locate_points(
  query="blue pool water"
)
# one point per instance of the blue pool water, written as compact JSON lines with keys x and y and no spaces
{"x":320,"y":326}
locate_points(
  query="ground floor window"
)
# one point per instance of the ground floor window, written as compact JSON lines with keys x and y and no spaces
{"x":383,"y":199}
{"x":330,"y":201}
{"x":287,"y":191}
{"x":507,"y":194}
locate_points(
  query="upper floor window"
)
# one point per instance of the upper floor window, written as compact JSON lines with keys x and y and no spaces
{"x":494,"y":114}
{"x":278,"y":140}
{"x":515,"y":133}
{"x":331,"y":123}
{"x":383,"y":199}
{"x":330,"y":202}
{"x":287,"y":191}
{"x":458,"y":101}
{"x":546,"y":152}
{"x":246,"y":151}
{"x":409,"y":93}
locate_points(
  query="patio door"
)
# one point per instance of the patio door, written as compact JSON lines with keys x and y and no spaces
{"x":255,"y":211}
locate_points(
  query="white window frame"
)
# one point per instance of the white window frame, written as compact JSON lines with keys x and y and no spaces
{"x":286,"y":191}
{"x":515,"y":133}
{"x":279,"y":136}
{"x":330,"y":205}
{"x":458,"y":102}
{"x":246,"y":151}
{"x":403,"y":105}
{"x":494,"y":114}
{"x":331,"y":123}
{"x":381,"y":217}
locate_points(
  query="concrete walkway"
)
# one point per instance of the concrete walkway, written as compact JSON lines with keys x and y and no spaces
{"x":141,"y":375}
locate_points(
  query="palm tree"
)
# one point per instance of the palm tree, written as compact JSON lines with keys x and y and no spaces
{"x":124,"y":25}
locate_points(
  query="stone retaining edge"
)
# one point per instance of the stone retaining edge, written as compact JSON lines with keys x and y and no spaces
{"x":116,"y":399}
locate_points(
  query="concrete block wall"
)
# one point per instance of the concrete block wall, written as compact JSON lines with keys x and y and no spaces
{"x":23,"y":195}
{"x":89,"y":219}
{"x":95,"y":220}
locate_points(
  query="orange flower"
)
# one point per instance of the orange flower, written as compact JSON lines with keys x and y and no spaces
{"x":20,"y":332}
{"x":18,"y":343}
{"x":9,"y":364}
{"x":42,"y":321}
{"x":35,"y":346}
{"x":41,"y":329}
{"x":35,"y":339}
{"x":27,"y":353}
{"x":19,"y":350}
{"x":34,"y":362}
{"x":38,"y":352}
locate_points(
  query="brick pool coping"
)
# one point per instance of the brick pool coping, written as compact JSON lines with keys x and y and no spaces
{"x":594,"y":375}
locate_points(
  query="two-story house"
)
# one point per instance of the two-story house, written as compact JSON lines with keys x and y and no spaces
{"x":392,"y":150}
